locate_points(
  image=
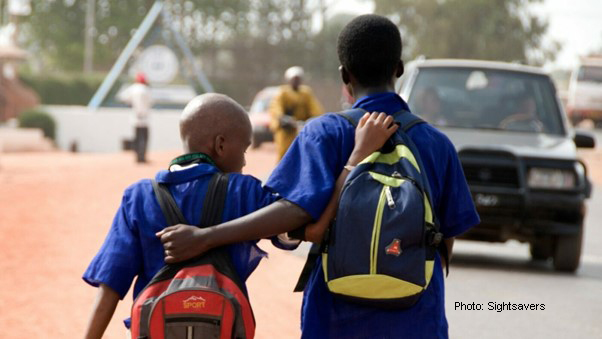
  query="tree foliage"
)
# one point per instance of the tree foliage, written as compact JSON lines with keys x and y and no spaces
{"x":244,"y":45}
{"x":480,"y":29}
{"x":55,"y":30}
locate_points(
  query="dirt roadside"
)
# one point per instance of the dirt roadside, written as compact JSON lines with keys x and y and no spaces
{"x":55,"y":211}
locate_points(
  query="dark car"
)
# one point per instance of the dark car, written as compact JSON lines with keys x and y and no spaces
{"x":260,"y":115}
{"x":517,"y":150}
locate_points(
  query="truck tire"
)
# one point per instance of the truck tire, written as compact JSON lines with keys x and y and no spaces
{"x":568,"y":252}
{"x":541,"y":249}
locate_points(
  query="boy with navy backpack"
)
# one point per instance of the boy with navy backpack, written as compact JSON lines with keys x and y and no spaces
{"x":369,"y":50}
{"x":215,"y":132}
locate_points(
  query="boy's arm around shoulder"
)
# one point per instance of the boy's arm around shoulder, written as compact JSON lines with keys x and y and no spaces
{"x":102,"y":312}
{"x":182,"y":242}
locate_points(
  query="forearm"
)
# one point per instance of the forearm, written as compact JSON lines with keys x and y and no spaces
{"x":280,"y":217}
{"x":102,"y":312}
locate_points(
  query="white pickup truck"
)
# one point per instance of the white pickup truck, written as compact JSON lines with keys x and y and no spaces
{"x":518,"y":152}
{"x":585,"y":91}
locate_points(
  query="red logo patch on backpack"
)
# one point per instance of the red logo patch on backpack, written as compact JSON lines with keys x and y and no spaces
{"x":394,"y":248}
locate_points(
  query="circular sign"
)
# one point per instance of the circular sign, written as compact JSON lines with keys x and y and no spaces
{"x":158,"y":63}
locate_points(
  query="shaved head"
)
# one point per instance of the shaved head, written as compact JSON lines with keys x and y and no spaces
{"x":207,"y":116}
{"x":215,"y":124}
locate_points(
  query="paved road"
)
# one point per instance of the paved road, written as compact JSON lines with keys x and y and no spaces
{"x":490,"y":273}
{"x":502,"y":273}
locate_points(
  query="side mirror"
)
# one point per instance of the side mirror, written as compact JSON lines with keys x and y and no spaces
{"x":584,"y":140}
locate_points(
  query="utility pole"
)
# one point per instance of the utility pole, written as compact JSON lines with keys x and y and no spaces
{"x":89,"y":36}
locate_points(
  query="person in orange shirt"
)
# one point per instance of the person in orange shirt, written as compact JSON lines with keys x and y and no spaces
{"x":294,"y":104}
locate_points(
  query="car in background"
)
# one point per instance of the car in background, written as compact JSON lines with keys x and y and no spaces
{"x":260,"y":116}
{"x":585,"y":91}
{"x":517,"y":150}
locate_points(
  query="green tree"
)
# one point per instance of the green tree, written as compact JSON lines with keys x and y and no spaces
{"x":479,"y":29}
{"x":55,"y":31}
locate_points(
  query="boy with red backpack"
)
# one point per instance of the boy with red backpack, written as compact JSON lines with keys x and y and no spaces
{"x":215,"y":132}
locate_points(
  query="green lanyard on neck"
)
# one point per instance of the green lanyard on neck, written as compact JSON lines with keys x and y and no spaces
{"x":192,"y":158}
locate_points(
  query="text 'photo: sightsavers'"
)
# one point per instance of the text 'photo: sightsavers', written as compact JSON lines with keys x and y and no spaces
{"x":315,"y":169}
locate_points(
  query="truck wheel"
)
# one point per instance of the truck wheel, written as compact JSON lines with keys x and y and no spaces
{"x":568,"y":252}
{"x":541,"y":249}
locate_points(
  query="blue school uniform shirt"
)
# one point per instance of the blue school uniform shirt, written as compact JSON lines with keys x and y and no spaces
{"x":131,"y":248}
{"x":306,"y":176}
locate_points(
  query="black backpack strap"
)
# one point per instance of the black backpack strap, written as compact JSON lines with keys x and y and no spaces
{"x":443,"y":251}
{"x":168,"y":205}
{"x":213,"y":206}
{"x":313,"y":255}
{"x":215,"y":200}
{"x":407,"y":120}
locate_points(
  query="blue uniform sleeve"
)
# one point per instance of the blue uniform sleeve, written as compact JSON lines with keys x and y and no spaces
{"x":307,"y":173}
{"x":456,"y":210}
{"x":119,"y":259}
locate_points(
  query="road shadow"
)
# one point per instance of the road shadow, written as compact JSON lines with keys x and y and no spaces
{"x":522,"y":264}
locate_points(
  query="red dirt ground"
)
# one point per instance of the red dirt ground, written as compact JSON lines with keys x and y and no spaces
{"x":55,"y":210}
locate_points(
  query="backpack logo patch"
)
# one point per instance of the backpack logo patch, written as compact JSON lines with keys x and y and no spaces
{"x":194,"y":302}
{"x":394,"y":248}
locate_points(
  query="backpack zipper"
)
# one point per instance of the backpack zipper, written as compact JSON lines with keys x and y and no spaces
{"x":376,"y":229}
{"x":389,"y":196}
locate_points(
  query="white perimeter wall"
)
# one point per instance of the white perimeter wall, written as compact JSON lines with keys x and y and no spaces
{"x":103,"y":130}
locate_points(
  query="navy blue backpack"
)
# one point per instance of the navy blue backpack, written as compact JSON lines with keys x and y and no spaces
{"x":380,"y":249}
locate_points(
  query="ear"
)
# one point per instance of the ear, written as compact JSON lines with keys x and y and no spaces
{"x":400,"y":69}
{"x":219,"y":145}
{"x":344,"y":75}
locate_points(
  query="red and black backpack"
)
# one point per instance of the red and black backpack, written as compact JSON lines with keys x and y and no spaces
{"x":200,"y":298}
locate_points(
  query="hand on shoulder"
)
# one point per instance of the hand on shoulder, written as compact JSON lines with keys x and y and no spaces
{"x":372,"y":131}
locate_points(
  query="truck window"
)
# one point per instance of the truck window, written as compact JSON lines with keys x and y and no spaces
{"x":486,"y":99}
{"x":590,"y":74}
